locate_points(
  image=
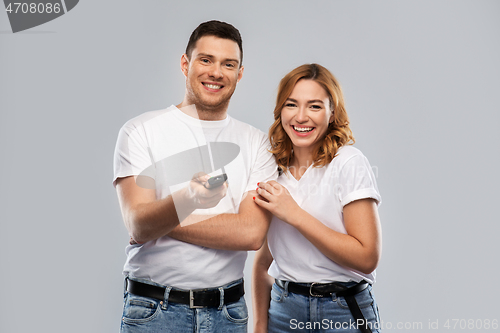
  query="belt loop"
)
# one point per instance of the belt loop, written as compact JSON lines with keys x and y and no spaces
{"x":286,"y":288}
{"x":125,"y":283}
{"x":221,"y":304}
{"x":165,"y":298}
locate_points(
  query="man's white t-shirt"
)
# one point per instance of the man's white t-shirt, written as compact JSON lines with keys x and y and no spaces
{"x":170,"y":147}
{"x":322,"y":192}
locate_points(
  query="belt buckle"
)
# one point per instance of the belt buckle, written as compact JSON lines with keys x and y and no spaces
{"x":310,"y":291}
{"x":191,"y":301}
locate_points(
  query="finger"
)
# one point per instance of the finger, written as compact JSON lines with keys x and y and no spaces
{"x":261,"y":203}
{"x":261,"y":197}
{"x":221,"y":191}
{"x":265,"y":194}
{"x":213,"y":197}
{"x":270,"y":188}
{"x":200,"y":177}
{"x":275,"y":184}
{"x":216,"y":191}
{"x":197,"y":188}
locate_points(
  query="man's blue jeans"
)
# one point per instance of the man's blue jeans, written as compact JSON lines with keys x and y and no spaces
{"x":289,"y":312}
{"x":149,"y":315}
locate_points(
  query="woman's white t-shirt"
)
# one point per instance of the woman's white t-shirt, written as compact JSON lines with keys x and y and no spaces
{"x":322,"y":192}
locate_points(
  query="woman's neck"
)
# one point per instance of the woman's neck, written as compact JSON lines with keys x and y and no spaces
{"x":301,"y":161}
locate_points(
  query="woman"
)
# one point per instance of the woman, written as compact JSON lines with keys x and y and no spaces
{"x":324,"y":241}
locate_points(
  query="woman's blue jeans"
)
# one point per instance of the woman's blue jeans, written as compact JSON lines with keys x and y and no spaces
{"x":149,"y":315}
{"x":290,"y":312}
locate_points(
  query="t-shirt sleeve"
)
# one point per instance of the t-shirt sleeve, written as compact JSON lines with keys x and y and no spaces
{"x":132,"y":157}
{"x":357,"y":181}
{"x":264,"y":168}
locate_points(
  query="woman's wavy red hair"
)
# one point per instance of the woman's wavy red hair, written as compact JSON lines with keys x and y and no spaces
{"x":338,"y":133}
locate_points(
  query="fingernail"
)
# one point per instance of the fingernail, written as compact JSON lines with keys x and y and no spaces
{"x":254,"y":198}
{"x":258,"y":184}
{"x":257,"y":189}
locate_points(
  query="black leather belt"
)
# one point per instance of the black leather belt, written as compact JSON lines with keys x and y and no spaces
{"x":326,"y":289}
{"x":198,"y":298}
{"x":323,"y":289}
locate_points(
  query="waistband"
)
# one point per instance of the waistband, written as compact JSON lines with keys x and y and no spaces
{"x":195,"y":298}
{"x":323,"y":289}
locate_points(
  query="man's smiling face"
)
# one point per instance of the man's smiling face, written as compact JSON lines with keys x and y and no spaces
{"x":212,"y":72}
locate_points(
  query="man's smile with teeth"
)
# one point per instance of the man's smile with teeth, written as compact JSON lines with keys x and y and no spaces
{"x":302,"y":129}
{"x":212,"y":86}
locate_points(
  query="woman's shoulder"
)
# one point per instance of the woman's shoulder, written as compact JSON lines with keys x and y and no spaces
{"x":345,"y":153}
{"x":346,"y":157}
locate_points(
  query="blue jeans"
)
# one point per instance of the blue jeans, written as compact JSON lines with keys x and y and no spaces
{"x":290,"y":312}
{"x":149,"y":315}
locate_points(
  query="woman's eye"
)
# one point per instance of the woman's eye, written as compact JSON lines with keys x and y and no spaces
{"x":289,"y":105}
{"x":316,"y":107}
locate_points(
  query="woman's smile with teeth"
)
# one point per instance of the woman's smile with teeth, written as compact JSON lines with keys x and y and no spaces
{"x":303,"y":129}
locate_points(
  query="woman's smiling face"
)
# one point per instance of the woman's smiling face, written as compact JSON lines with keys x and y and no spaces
{"x":306,"y":114}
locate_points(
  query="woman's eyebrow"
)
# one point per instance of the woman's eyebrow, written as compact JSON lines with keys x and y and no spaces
{"x":309,"y":102}
{"x":315,"y":101}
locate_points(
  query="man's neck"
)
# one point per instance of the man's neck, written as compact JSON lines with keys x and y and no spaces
{"x":201,"y":113}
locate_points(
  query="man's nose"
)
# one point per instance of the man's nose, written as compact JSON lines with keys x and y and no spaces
{"x":216,"y":71}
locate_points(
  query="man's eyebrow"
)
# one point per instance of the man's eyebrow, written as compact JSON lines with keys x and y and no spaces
{"x":204,"y":55}
{"x":211,"y":57}
{"x":233,"y":60}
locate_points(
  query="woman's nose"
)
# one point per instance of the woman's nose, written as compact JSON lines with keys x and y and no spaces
{"x":301,"y":116}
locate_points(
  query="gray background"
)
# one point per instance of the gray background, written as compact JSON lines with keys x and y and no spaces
{"x":421,"y":83}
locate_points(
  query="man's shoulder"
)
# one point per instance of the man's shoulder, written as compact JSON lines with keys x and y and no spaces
{"x":147,"y":117}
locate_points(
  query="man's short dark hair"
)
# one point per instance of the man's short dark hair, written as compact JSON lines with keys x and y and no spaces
{"x":217,"y":29}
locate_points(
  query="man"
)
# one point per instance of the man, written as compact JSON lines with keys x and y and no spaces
{"x":189,"y":233}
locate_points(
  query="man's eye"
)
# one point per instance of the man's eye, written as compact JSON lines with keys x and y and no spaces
{"x":206,"y":61}
{"x":230,"y":65}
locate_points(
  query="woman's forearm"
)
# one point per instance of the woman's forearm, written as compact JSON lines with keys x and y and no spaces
{"x":261,"y":288}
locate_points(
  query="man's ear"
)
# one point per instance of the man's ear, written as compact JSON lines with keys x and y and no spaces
{"x":184,"y":64}
{"x":240,"y":73}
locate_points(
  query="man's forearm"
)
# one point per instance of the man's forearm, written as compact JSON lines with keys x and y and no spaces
{"x":149,"y":221}
{"x":244,"y":231}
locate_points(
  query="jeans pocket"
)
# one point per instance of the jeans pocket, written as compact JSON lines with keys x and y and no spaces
{"x":139,"y":309}
{"x":236,"y":312}
{"x":276,"y":293}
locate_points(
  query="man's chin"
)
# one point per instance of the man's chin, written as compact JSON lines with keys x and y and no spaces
{"x":211,"y":105}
